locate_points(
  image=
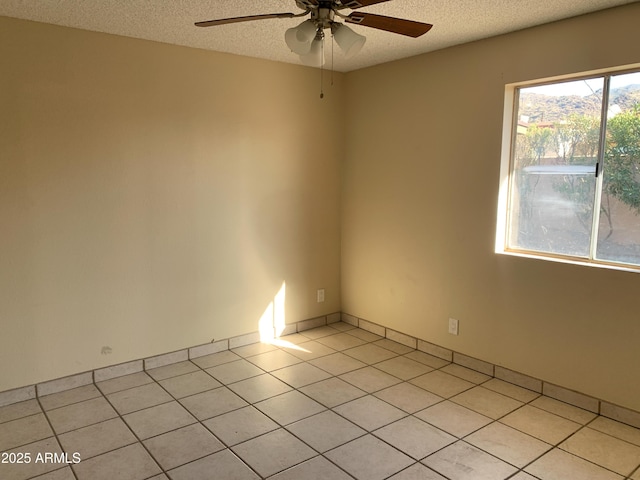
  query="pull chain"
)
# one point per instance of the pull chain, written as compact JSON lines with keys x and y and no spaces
{"x":322,"y":72}
{"x":332,"y":42}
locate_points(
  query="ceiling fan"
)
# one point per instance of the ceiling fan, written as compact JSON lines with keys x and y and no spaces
{"x":307,"y":39}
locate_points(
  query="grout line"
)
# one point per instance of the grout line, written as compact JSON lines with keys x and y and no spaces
{"x":373,"y":326}
{"x":496,"y":420}
{"x":121,"y":418}
{"x":586,"y":425}
{"x":139,"y":440}
{"x":331,"y":409}
{"x":56,"y":436}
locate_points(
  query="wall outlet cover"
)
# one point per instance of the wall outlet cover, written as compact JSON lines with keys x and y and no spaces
{"x":453,"y":326}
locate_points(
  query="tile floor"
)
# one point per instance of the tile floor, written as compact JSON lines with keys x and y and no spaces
{"x":330,"y":403}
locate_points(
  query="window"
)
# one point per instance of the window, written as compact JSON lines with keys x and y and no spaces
{"x":571,"y":173}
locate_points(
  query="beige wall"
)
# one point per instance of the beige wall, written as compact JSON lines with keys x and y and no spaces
{"x":420,"y":188}
{"x":154,"y":197}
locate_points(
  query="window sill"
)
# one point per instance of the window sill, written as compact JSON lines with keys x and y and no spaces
{"x":570,"y":260}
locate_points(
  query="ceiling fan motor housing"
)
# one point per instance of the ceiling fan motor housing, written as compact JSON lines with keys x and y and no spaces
{"x":323,"y":16}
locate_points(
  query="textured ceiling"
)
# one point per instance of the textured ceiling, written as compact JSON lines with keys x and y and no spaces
{"x":171,"y":21}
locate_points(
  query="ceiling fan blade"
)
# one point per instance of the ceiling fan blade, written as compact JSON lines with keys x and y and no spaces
{"x":353,"y":4}
{"x":224,"y":21}
{"x":389,"y":24}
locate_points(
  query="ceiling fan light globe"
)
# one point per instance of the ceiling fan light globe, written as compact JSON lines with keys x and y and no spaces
{"x":299,"y":38}
{"x":315,"y":57}
{"x":296,"y":46}
{"x":349,"y":41}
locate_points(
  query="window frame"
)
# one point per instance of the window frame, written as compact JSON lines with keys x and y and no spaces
{"x":509,"y":136}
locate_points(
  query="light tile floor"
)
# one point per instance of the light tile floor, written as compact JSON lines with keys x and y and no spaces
{"x":330,"y":403}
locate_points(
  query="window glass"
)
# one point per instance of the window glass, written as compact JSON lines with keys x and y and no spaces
{"x":619,"y":225}
{"x":574,"y":171}
{"x":553,"y":177}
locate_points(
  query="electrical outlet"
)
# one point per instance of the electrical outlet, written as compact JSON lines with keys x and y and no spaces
{"x":320,"y":295}
{"x":453,"y":326}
